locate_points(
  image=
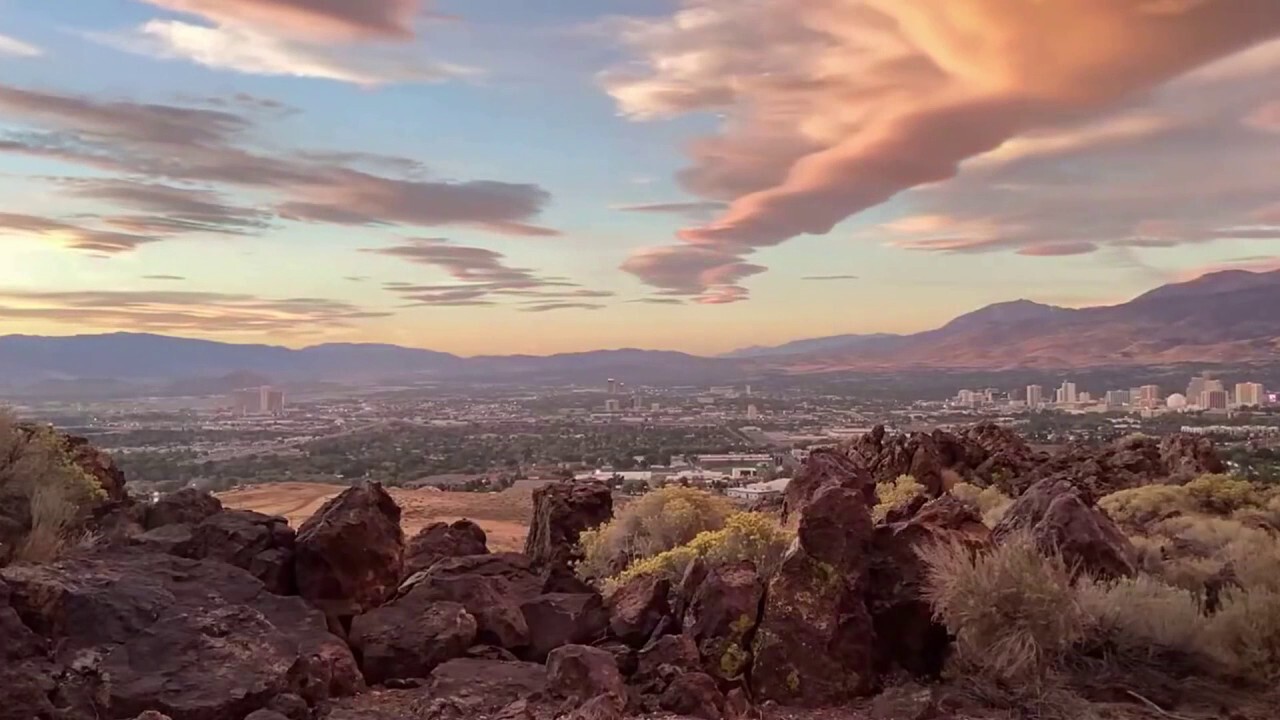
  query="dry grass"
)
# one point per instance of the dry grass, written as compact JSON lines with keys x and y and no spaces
{"x":655,"y":523}
{"x":990,"y":501}
{"x":1244,"y":635}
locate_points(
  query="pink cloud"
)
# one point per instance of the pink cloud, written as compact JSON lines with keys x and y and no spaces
{"x":315,"y":19}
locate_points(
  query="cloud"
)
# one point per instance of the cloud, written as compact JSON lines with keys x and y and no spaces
{"x":694,"y":209}
{"x":829,"y":277}
{"x":178,"y":311}
{"x":1076,"y":247}
{"x":70,"y":235}
{"x":179,"y":210}
{"x":832,"y":107}
{"x":658,"y":301}
{"x":255,"y":52}
{"x":312,"y":19}
{"x":707,"y":275}
{"x":17,"y":48}
{"x":549,"y":307}
{"x":163,"y":277}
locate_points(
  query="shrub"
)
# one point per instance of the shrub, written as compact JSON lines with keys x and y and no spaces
{"x":892,"y":493}
{"x":1013,"y":610}
{"x":1142,"y":618}
{"x":1223,"y":494}
{"x":1144,"y":505}
{"x":661,"y":520}
{"x":1244,"y":635}
{"x":990,"y":501}
{"x":37,"y":469}
{"x":745,"y":536}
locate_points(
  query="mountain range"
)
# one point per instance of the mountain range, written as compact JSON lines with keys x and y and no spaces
{"x":1225,"y":317}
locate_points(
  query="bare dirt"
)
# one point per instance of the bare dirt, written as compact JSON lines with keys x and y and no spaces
{"x":504,"y":516}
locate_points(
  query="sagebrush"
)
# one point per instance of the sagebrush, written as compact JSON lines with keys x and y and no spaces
{"x":659,"y":521}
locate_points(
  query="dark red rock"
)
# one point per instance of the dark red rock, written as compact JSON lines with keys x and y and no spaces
{"x":638,"y":607}
{"x":827,"y":467}
{"x":408,"y":638}
{"x":835,"y":528}
{"x":1187,"y":456}
{"x":261,"y":544}
{"x":722,"y":619}
{"x":100,"y":466}
{"x":443,"y":540}
{"x":579,"y":673}
{"x":489,"y":599}
{"x":495,"y":684}
{"x":559,"y":619}
{"x":561,"y":511}
{"x":349,"y":554}
{"x":1061,"y":516}
{"x":663,"y":660}
{"x":513,"y":572}
{"x":694,"y":695}
{"x":187,"y":505}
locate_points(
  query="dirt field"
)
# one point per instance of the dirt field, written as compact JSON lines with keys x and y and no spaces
{"x":504,"y":516}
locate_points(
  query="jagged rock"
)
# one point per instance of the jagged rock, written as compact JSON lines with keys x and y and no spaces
{"x":26,"y":677}
{"x":99,"y":465}
{"x":494,"y":684}
{"x":1186,"y":456}
{"x":491,"y":599}
{"x":442,"y":540}
{"x":624,"y":655}
{"x":261,"y":544}
{"x":835,"y":528}
{"x":985,"y":453}
{"x":1062,"y":516}
{"x":601,"y":707}
{"x":118,"y":609}
{"x":737,"y":706}
{"x":408,"y":638}
{"x":663,"y":660}
{"x":561,"y":511}
{"x":490,"y":652}
{"x":694,"y":575}
{"x":187,"y":505}
{"x":265,"y":715}
{"x":350,"y":553}
{"x":290,"y":706}
{"x":1132,"y":461}
{"x":637,"y":608}
{"x":722,"y":618}
{"x":826,"y":467}
{"x":695,"y":695}
{"x":558,"y":619}
{"x":513,"y":571}
{"x":579,"y":673}
{"x":903,"y":619}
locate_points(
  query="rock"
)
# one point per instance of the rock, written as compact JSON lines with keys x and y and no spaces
{"x":26,"y":677}
{"x":558,"y":619}
{"x":636,"y":608}
{"x":261,"y":544}
{"x":579,"y":673}
{"x":904,"y":702}
{"x":490,"y":652}
{"x":489,"y":599}
{"x":408,"y":638}
{"x":694,"y":575}
{"x":290,"y":706}
{"x":814,"y":644}
{"x":826,"y":467}
{"x":220,"y":663}
{"x":350,"y":553}
{"x":986,"y":454}
{"x":722,"y":618}
{"x":265,"y":715}
{"x":1062,"y":516}
{"x":737,"y":706}
{"x":187,"y":505}
{"x":662,"y":661}
{"x":561,"y":511}
{"x":601,"y":707}
{"x":495,"y":683}
{"x":835,"y":528}
{"x":442,"y":540}
{"x":1132,"y":461}
{"x":152,"y":715}
{"x":514,"y":571}
{"x":623,"y":654}
{"x":1186,"y":456}
{"x":903,"y":619}
{"x":100,"y":466}
{"x":694,"y":695}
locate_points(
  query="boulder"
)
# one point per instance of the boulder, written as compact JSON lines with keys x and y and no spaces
{"x":491,"y":684}
{"x":349,"y":554}
{"x":826,"y":467}
{"x":98,"y":465}
{"x":490,"y":599}
{"x":261,"y":544}
{"x":26,"y":677}
{"x":638,"y":607}
{"x":265,"y":715}
{"x":722,"y":618}
{"x":561,"y":511}
{"x":663,"y":660}
{"x":187,"y":505}
{"x":835,"y":528}
{"x":408,"y":638}
{"x":1186,"y":456}
{"x":442,"y":540}
{"x":694,"y":695}
{"x":1061,"y":516}
{"x":986,"y":454}
{"x":558,"y":619}
{"x":512,"y":571}
{"x":903,"y":619}
{"x":290,"y":706}
{"x":579,"y":673}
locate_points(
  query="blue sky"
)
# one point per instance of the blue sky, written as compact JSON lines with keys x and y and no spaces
{"x":501,"y":176}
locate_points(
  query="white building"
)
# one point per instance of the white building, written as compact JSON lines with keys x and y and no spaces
{"x":1035,"y":396}
{"x":1250,"y":394}
{"x":757,"y":491}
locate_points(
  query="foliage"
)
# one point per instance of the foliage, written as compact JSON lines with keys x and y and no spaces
{"x":990,"y":501}
{"x":659,"y":521}
{"x":1144,"y":505}
{"x":745,"y":536}
{"x":1244,"y":635}
{"x":1142,"y":618}
{"x":1223,"y":494}
{"x":1014,"y":611}
{"x":37,"y":468}
{"x":892,"y":493}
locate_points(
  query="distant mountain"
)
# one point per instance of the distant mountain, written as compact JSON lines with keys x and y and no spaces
{"x":830,"y":343}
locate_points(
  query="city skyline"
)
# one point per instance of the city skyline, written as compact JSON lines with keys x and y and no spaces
{"x":701,"y":175}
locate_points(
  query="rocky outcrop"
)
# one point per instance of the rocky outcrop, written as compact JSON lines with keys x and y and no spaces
{"x":261,"y":544}
{"x":99,"y":465}
{"x":823,"y":468}
{"x":910,"y":637}
{"x":579,"y":673}
{"x":558,"y":619}
{"x":694,"y":695}
{"x":561,"y":511}
{"x":984,"y":454}
{"x":722,"y":617}
{"x":443,"y":540}
{"x":638,"y":607}
{"x":486,"y":685}
{"x":195,"y":639}
{"x":350,"y":553}
{"x":408,"y":638}
{"x":188,"y":505}
{"x":1061,"y":516}
{"x":1132,"y":461}
{"x":1186,"y":456}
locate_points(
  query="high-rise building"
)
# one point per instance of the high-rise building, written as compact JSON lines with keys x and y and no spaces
{"x":1197,"y":387}
{"x":257,"y":401}
{"x":1214,"y":385}
{"x":275,"y":402}
{"x":752,"y":412}
{"x":1084,"y":397}
{"x":1214,"y":399}
{"x":1067,"y":393}
{"x":635,"y":402}
{"x":613,"y":386}
{"x":1035,"y":396}
{"x":1117,"y":398}
{"x":613,"y":405}
{"x":1150,"y":395}
{"x":969,"y":398}
{"x":1250,"y":394}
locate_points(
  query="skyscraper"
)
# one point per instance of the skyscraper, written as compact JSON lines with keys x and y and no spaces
{"x":613,"y":386}
{"x":1213,"y":399}
{"x":1117,"y":398}
{"x":1196,"y":387}
{"x":1067,"y":393}
{"x":1150,"y":395}
{"x":1249,"y":394}
{"x":1035,"y":396}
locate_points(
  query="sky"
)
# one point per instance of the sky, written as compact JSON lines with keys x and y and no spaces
{"x":508,"y":176}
